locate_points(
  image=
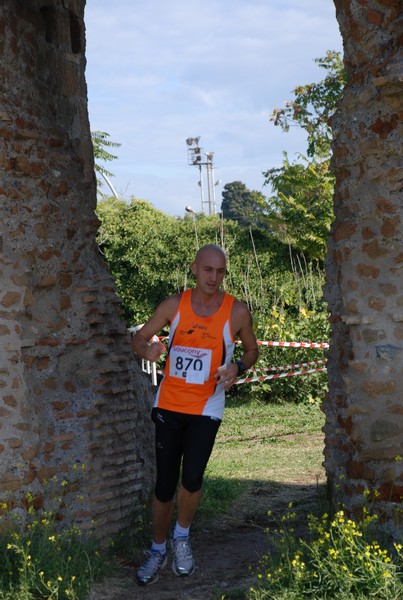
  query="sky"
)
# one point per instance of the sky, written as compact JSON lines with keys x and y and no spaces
{"x":160,"y":72}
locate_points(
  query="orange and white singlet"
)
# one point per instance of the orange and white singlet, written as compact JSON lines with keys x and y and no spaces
{"x":197,"y":346}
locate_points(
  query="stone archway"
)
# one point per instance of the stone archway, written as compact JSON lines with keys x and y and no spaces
{"x":70,"y":390}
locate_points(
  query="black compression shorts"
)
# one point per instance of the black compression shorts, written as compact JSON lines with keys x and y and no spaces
{"x":177,"y":436}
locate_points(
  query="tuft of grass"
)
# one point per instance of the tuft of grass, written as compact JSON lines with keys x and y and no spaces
{"x":219,"y":494}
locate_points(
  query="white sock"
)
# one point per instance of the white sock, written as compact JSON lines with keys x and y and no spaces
{"x":161,"y":548}
{"x":180,"y":532}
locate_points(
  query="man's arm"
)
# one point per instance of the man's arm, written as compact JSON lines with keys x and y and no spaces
{"x":145,"y":343}
{"x":242,"y":325}
{"x":248,"y":340}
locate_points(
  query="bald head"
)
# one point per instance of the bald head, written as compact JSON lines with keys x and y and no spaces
{"x":209,"y":268}
{"x":210,"y":248}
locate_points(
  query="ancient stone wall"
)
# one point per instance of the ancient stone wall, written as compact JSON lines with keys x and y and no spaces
{"x":73,"y":403}
{"x":364,"y":410}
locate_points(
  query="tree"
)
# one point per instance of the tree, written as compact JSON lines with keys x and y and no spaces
{"x":241,"y":204}
{"x":100,"y":142}
{"x":313,"y":106}
{"x":139,"y":242}
{"x":301,"y":208}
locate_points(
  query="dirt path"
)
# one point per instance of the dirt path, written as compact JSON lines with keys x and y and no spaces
{"x":222,"y":563}
{"x":227,"y":551}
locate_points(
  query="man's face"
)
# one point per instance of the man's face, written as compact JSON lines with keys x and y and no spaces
{"x":209,"y":270}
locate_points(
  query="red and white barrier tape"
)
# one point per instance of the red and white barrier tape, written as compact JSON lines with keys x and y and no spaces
{"x":312,"y":363}
{"x":287,"y":368}
{"x":281,"y":344}
{"x":295,"y":344}
{"x":278,"y":375}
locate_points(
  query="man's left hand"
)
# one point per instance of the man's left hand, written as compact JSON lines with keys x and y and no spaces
{"x":227,"y":375}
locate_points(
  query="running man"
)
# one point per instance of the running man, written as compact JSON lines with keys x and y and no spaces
{"x":189,"y":402}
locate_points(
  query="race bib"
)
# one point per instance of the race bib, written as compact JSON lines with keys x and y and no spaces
{"x":192,"y":364}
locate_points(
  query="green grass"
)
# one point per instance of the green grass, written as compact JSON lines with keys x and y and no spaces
{"x":260,"y":445}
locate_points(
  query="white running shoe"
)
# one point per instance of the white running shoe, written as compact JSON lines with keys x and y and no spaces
{"x":183,"y":562}
{"x":147,"y":573}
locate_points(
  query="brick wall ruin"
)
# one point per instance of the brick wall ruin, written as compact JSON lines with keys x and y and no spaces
{"x":70,"y":391}
{"x":364,"y":410}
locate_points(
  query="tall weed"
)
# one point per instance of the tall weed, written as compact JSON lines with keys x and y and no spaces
{"x":39,"y":560}
{"x":339,"y":558}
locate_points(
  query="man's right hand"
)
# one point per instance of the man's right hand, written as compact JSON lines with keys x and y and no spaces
{"x":148,"y":350}
{"x":155,"y":349}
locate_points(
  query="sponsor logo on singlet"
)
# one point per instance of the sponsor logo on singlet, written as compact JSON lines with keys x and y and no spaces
{"x":191,"y":364}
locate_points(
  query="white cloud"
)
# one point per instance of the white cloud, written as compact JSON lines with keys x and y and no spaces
{"x":160,"y":71}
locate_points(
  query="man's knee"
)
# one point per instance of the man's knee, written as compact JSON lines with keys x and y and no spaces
{"x":164,"y":492}
{"x":192,"y":483}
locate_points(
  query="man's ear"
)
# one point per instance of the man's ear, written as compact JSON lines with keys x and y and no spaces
{"x":194,"y":268}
